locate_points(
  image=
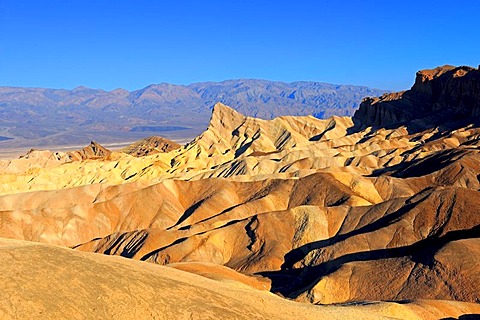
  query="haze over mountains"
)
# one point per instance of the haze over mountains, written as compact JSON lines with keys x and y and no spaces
{"x":54,"y":117}
{"x":379,"y":212}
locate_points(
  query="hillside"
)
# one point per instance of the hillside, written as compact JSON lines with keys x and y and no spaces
{"x":378,"y":212}
{"x":48,"y":282}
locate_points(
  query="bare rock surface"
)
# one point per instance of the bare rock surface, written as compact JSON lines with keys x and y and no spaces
{"x":381,"y":207}
{"x":444,"y":93}
{"x":150,"y":145}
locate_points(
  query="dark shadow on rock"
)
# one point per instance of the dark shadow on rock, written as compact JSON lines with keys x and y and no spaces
{"x":154,"y":252}
{"x":319,"y":136}
{"x":465,"y":317}
{"x":242,"y":149}
{"x":247,"y":145}
{"x":131,"y":244}
{"x":438,"y":96}
{"x":422,"y":167}
{"x":188,"y":212}
{"x":292,"y":282}
{"x":301,"y":252}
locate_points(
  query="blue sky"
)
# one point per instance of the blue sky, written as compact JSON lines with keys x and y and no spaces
{"x":109,"y":44}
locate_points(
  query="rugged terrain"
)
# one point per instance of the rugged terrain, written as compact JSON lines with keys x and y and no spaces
{"x":47,"y":282}
{"x":150,"y":145}
{"x":383,"y":206}
{"x":57,"y":117}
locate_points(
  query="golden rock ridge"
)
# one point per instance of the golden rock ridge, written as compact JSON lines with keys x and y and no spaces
{"x":379,"y":207}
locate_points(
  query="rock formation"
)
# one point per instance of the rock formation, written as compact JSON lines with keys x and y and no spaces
{"x":442,"y":94}
{"x":150,"y":145}
{"x":383,"y":207}
{"x":92,"y":151}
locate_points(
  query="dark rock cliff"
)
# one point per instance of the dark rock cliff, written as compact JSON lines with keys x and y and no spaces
{"x":442,"y":94}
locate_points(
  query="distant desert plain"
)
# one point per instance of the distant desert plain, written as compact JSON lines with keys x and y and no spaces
{"x":320,"y":216}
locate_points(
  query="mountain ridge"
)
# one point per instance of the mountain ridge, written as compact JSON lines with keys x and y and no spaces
{"x":52,"y":117}
{"x":233,"y":80}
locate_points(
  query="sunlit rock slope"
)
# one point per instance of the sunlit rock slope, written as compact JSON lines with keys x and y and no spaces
{"x":381,"y":206}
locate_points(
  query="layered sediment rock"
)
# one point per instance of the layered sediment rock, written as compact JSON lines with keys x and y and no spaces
{"x":440,"y":94}
{"x":319,"y":211}
{"x":150,"y":145}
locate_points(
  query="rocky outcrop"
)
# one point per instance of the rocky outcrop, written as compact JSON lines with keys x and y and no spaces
{"x":150,"y":145}
{"x":443,"y":94}
{"x":93,"y":151}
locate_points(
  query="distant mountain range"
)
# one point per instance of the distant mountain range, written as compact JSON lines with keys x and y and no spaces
{"x":47,"y":117}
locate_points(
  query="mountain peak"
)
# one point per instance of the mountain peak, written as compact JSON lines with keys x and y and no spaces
{"x":81,"y":88}
{"x":221,"y":108}
{"x":224,"y":116}
{"x":93,"y":151}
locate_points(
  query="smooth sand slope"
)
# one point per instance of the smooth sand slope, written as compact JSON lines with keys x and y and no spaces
{"x":47,"y":282}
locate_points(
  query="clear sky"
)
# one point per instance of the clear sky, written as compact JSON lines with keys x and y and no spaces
{"x":109,"y":44}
